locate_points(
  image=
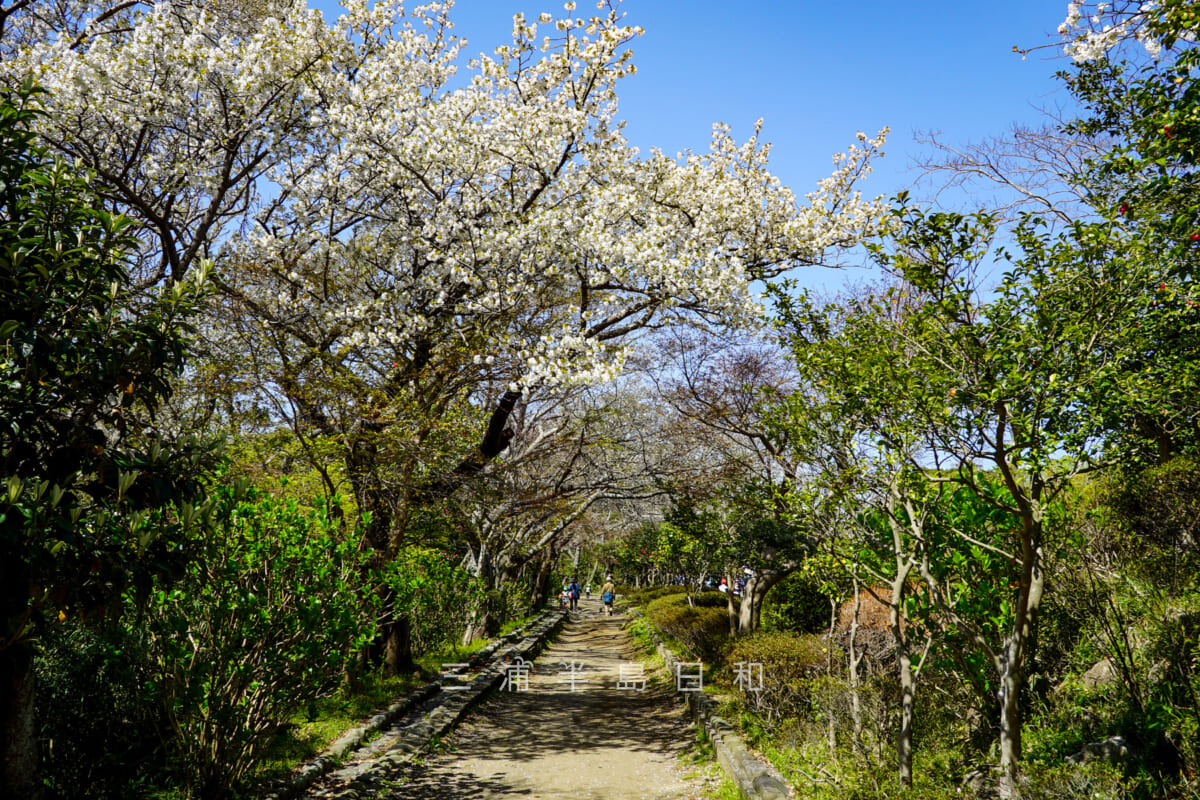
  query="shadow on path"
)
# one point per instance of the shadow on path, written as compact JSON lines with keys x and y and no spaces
{"x":596,"y":741}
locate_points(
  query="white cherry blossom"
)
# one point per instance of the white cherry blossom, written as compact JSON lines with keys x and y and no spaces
{"x":363,"y":193}
{"x":1092,"y":31}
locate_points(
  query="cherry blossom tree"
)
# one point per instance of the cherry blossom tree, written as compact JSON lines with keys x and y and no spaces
{"x":576,"y":455}
{"x":181,"y":109}
{"x":721,"y":390}
{"x":393,"y":233}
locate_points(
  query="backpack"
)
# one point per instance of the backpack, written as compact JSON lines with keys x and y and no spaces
{"x":608,"y":597}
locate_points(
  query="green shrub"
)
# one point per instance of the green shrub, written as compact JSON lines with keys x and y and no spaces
{"x":708,"y":598}
{"x":715,"y":600}
{"x":101,"y":732}
{"x":790,"y":665}
{"x":704,"y":631}
{"x":815,"y":773}
{"x":260,"y":625}
{"x":1094,"y":781}
{"x":1171,"y":686}
{"x":796,"y":604}
{"x":1065,"y":614}
{"x":1160,"y":508}
{"x":1154,"y":704}
{"x":436,"y":593}
{"x":650,"y":593}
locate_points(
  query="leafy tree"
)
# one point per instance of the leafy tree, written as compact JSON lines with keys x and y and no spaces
{"x":721,"y":390}
{"x":689,"y":546}
{"x":573,"y":451}
{"x":630,"y":557}
{"x":866,"y":503}
{"x":994,"y":385}
{"x":436,"y":591}
{"x":1135,"y":75}
{"x":96,"y":494}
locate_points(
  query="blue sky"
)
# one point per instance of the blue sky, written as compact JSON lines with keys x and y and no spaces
{"x":818,"y":72}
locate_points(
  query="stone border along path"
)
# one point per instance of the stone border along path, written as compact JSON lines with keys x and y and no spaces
{"x":409,"y":725}
{"x":580,"y":737}
{"x":756,"y":778}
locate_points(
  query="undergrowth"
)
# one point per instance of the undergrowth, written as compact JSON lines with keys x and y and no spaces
{"x":309,"y":733}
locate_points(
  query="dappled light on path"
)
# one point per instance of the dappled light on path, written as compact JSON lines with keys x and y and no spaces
{"x":595,"y":741}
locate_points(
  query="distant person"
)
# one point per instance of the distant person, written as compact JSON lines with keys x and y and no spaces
{"x":573,"y":592}
{"x":608,"y":593}
{"x":587,"y":591}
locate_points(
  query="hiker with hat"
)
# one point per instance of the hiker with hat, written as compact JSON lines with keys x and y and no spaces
{"x":608,"y":593}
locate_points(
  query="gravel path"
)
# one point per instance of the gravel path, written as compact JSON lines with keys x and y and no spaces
{"x":592,"y":741}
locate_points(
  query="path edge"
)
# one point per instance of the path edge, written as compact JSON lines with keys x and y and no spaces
{"x":755,"y":778}
{"x":524,"y":642}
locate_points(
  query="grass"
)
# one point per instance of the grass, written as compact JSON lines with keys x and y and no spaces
{"x":726,"y":789}
{"x":639,"y":629}
{"x":509,"y":627}
{"x":699,"y":761}
{"x":698,"y":758}
{"x":387,"y":789}
{"x":310,"y":732}
{"x":717,"y":785}
{"x":431,"y":663}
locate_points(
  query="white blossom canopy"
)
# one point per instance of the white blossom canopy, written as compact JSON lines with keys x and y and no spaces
{"x":357,"y":188}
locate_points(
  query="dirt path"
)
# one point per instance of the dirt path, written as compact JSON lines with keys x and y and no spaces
{"x":552,"y":741}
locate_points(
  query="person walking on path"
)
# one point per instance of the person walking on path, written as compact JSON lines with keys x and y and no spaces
{"x":608,"y":593}
{"x":573,"y":591}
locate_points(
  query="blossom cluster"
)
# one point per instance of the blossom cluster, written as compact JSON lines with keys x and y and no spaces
{"x":355,"y":188}
{"x":1091,"y":32}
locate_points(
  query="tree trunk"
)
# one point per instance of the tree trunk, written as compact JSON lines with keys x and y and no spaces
{"x":495,"y":441}
{"x":753,"y":594}
{"x":904,"y":743}
{"x":480,"y":624}
{"x":730,"y":610}
{"x":1010,"y":734}
{"x":592,"y":574}
{"x":362,"y":468}
{"x":385,"y":530}
{"x":397,"y":646}
{"x":907,"y":675}
{"x":541,"y":582}
{"x":20,"y":748}
{"x":831,"y":727}
{"x":379,"y":534}
{"x":854,"y":660}
{"x":1011,"y":668}
{"x":904,"y":736}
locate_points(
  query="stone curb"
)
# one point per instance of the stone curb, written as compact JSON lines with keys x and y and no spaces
{"x":755,"y":778}
{"x":451,"y":707}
